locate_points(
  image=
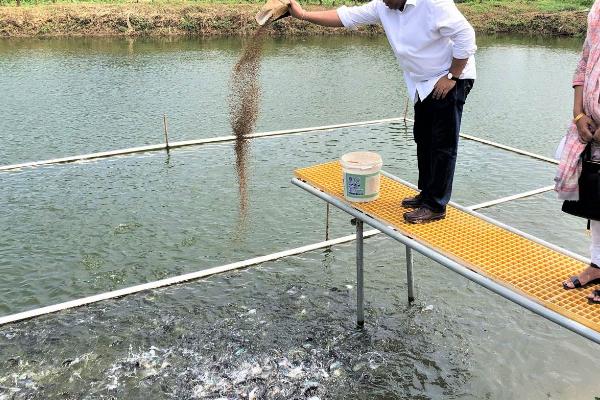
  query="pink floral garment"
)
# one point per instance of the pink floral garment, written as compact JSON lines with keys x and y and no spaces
{"x":588,"y":75}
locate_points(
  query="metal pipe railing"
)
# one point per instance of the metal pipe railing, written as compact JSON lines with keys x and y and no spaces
{"x":245,"y":264}
{"x":199,"y":274}
{"x":501,"y":146}
{"x":186,"y":143}
{"x":176,"y":279}
{"x":509,"y":148}
{"x":409,"y":275}
{"x":225,"y":139}
{"x":360,"y":313}
{"x":511,"y":198}
{"x":456,"y":267}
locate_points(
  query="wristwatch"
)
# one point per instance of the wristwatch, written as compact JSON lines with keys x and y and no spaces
{"x":454,"y":78}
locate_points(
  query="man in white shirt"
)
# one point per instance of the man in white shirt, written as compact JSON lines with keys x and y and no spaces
{"x":434,"y":44}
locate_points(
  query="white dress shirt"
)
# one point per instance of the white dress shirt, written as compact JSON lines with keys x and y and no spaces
{"x":425,"y":36}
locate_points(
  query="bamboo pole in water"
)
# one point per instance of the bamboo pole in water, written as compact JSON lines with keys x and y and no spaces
{"x":406,"y":108}
{"x":166,"y":129}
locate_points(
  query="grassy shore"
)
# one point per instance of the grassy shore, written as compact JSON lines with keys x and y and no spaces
{"x":233,"y":17}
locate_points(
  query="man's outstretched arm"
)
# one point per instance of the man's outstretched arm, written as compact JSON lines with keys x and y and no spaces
{"x":324,"y":18}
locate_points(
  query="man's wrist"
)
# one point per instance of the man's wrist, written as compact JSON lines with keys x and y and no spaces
{"x":453,"y":76}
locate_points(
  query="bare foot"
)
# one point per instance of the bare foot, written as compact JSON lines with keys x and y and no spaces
{"x":588,"y":275}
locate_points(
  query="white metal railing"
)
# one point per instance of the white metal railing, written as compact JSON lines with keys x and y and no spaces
{"x":444,"y":260}
{"x":231,"y":267}
{"x":175,"y":280}
{"x":253,"y":261}
{"x":186,"y":143}
{"x":225,"y":139}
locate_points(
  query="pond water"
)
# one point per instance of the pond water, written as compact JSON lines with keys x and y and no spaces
{"x":284,"y":329}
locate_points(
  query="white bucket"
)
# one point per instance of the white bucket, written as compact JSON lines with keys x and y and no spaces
{"x":361,"y":174}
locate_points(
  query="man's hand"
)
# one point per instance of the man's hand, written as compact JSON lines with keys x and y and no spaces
{"x":296,"y":10}
{"x":587,"y":129}
{"x":323,"y":18}
{"x":442,"y":87}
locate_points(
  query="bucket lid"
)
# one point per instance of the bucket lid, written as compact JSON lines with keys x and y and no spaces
{"x":362,"y":160}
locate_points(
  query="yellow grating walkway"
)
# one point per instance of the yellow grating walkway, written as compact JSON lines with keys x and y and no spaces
{"x":516,"y":262}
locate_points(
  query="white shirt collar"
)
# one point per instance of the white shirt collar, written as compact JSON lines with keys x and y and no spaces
{"x":410,"y":3}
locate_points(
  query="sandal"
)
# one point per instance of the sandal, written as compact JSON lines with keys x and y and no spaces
{"x":595,"y":293}
{"x":577,"y":283}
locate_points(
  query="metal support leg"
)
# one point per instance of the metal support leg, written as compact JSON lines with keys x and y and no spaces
{"x":360,"y":315}
{"x":409,"y":274}
{"x":327,"y":222}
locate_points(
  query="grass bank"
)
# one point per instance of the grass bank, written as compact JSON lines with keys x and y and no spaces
{"x":228,"y":18}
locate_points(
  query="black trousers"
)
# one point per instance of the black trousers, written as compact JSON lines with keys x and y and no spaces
{"x":436,"y":131}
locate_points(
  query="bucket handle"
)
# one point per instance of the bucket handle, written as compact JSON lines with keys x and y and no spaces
{"x":358,"y":166}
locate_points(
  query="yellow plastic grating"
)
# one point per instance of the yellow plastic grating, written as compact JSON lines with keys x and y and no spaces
{"x":518,"y":263}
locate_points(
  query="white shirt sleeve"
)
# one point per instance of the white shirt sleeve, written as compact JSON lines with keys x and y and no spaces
{"x":451,"y":23}
{"x":366,"y":14}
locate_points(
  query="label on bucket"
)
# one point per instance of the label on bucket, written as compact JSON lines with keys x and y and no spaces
{"x":361,"y":186}
{"x":356,"y":184}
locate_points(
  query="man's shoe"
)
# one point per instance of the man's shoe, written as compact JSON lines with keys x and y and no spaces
{"x":412,"y":202}
{"x":423,"y":215}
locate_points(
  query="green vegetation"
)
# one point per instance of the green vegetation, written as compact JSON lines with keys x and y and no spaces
{"x":26,"y":3}
{"x":540,"y":5}
{"x":236,"y":17}
{"x":479,"y":5}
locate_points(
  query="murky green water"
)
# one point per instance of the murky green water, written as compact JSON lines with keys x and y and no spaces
{"x":284,"y":329}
